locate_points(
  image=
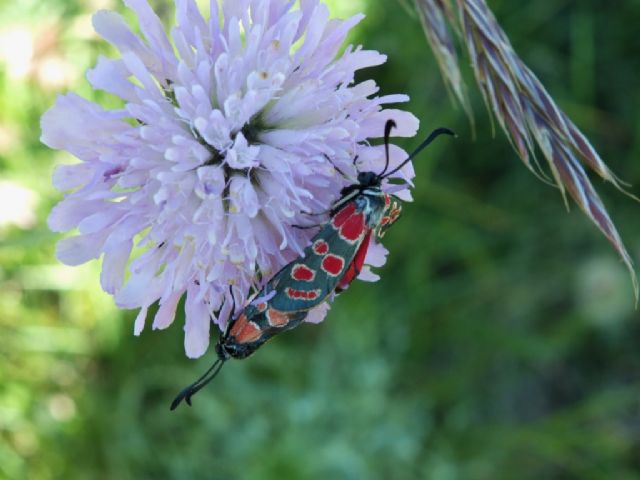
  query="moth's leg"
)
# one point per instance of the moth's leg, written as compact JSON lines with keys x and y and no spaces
{"x":335,"y":166}
{"x":307,"y":227}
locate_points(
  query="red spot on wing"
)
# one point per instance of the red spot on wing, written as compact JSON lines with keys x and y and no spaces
{"x":302,"y":273}
{"x":261,"y":307}
{"x":277,"y":318}
{"x":333,"y":264}
{"x":303,"y":294}
{"x":343,"y":215}
{"x":238,"y":325}
{"x":353,"y":227}
{"x":387,"y":200}
{"x":293,"y":293}
{"x":249,"y":334}
{"x":245,"y":331}
{"x":320,"y":247}
{"x":355,"y":267}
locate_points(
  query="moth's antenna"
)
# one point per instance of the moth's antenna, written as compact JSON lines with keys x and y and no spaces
{"x":435,"y":134}
{"x":210,"y":374}
{"x":387,"y":132}
{"x":196,"y":386}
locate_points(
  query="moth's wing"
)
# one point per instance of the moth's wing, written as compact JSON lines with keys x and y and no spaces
{"x":309,"y":280}
{"x":356,"y":265}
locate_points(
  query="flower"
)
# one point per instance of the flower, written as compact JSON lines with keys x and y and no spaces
{"x":229,"y":135}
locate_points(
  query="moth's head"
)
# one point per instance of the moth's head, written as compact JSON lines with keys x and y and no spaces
{"x":368,"y":179}
{"x":221,"y":352}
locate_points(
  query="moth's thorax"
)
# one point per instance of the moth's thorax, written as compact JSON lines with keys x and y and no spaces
{"x":221,"y":351}
{"x":368,"y":183}
{"x":237,"y":351}
{"x":371,"y":202}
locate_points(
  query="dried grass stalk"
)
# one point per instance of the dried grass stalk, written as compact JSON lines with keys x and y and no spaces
{"x":434,"y":15}
{"x":522,"y":106}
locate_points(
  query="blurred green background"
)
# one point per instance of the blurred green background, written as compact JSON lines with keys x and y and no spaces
{"x":501,"y":342}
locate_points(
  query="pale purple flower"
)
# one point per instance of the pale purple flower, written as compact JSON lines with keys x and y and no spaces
{"x":196,"y":183}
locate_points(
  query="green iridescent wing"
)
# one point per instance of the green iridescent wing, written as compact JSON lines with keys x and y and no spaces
{"x":308,"y":281}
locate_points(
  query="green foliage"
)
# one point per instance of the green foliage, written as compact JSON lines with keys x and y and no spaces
{"x":501,"y":342}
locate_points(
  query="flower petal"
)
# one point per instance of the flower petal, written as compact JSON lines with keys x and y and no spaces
{"x":141,"y":318}
{"x":68,"y":177}
{"x":80,"y":249}
{"x":112,"y":77}
{"x":196,"y":329}
{"x":113,"y":267}
{"x":167,"y":311}
{"x":318,"y":314}
{"x":112,"y":27}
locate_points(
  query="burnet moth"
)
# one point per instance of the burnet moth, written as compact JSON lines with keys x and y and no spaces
{"x":329,"y":264}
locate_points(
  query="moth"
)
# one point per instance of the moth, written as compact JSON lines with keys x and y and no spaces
{"x":330,"y":263}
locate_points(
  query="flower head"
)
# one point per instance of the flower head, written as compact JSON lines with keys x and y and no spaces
{"x":230,"y":134}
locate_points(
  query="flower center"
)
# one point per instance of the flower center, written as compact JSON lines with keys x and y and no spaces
{"x":250,"y":131}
